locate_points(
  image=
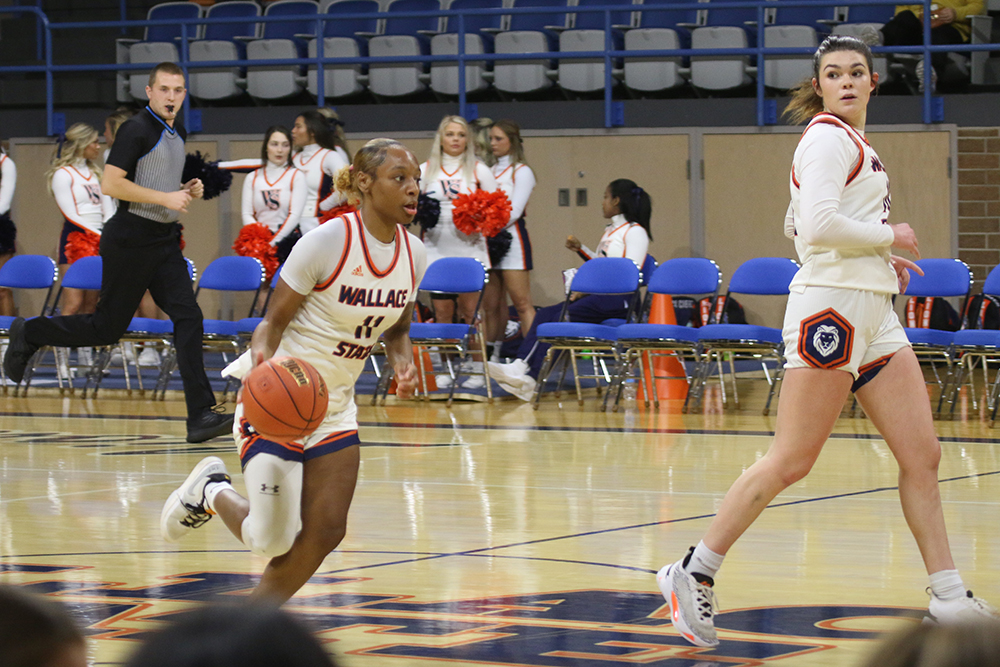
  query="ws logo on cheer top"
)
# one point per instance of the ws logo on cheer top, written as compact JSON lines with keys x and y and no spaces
{"x":826,"y":340}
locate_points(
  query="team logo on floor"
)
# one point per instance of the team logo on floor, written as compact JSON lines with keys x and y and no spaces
{"x":576,"y":628}
{"x":826,"y":339}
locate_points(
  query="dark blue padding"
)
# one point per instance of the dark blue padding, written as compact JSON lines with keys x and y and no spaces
{"x":685,"y":275}
{"x":763,"y":275}
{"x":84,"y":273}
{"x":635,"y":333}
{"x":454,"y":275}
{"x":942,"y":277}
{"x":977,"y":338}
{"x":666,"y":18}
{"x":550,"y":330}
{"x":221,"y":328}
{"x":807,"y":16}
{"x":171,"y":11}
{"x":934,"y":337}
{"x":537,"y":22}
{"x":28,"y":272}
{"x":349,"y":27}
{"x":607,"y":275}
{"x":595,"y":20}
{"x":475,"y":23}
{"x":150,"y":326}
{"x":243,"y":15}
{"x":433,"y":331}
{"x":739,"y":332}
{"x":288,"y":29}
{"x":409,"y":25}
{"x":248,"y":324}
{"x":233,"y":274}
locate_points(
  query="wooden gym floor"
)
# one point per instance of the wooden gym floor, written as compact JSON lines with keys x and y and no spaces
{"x":500,"y":535}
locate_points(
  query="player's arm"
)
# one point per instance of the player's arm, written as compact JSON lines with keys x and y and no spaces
{"x":399,"y":352}
{"x":115,"y":184}
{"x":285,"y":302}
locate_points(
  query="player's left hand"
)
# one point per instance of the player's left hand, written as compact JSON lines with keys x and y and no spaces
{"x":900,"y":266}
{"x":406,"y":380}
{"x":195,"y":187}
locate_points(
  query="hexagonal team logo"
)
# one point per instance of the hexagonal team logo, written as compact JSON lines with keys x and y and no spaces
{"x":826,"y":339}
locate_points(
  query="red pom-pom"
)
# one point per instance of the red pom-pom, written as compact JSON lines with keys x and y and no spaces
{"x":81,"y":244}
{"x":481,"y":212}
{"x":254,"y":240}
{"x":336,"y":212}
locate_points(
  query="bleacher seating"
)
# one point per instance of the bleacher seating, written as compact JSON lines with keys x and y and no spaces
{"x":479,"y":31}
{"x":159,"y":44}
{"x":587,"y":34}
{"x":344,"y":38}
{"x":659,"y":29}
{"x":403,"y":36}
{"x":222,"y":41}
{"x":529,"y":33}
{"x":280,"y":39}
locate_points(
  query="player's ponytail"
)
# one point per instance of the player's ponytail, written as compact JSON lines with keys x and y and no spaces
{"x":633,"y":202}
{"x":366,"y":161}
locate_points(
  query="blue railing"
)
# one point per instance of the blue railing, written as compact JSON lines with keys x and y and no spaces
{"x":764,"y":106}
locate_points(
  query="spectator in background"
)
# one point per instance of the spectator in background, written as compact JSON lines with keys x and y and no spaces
{"x":8,"y":231}
{"x":628,"y":208}
{"x":972,"y":644}
{"x":453,"y":170}
{"x":37,"y":632}
{"x":232,"y":636}
{"x":509,"y":275}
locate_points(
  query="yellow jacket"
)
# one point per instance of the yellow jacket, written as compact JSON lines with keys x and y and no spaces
{"x":963,"y":10}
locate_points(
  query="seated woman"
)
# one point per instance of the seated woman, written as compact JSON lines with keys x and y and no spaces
{"x":627,"y":208}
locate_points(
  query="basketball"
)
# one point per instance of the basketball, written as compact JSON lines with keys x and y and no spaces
{"x":284,"y":399}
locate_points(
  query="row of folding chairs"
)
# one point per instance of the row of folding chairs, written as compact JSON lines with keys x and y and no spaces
{"x":225,"y":274}
{"x":387,"y":34}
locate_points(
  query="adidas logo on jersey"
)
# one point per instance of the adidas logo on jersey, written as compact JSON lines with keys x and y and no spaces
{"x":358,"y":271}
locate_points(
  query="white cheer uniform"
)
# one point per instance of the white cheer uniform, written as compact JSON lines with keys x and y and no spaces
{"x":621,"y":238}
{"x":320,"y":166}
{"x":356,"y":287}
{"x":444,"y":239}
{"x":517,"y":181}
{"x":8,"y":182}
{"x":78,"y":194}
{"x":274,"y":196}
{"x":839,"y":313}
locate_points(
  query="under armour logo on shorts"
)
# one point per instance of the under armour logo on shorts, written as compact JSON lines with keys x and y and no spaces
{"x":270,"y":490}
{"x":826,"y":339}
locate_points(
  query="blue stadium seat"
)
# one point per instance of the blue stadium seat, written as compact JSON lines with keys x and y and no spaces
{"x":281,"y":39}
{"x":529,"y":33}
{"x":403,"y":36}
{"x":725,"y":27}
{"x":587,"y":34}
{"x":344,"y":38}
{"x":479,"y":32}
{"x":159,"y":44}
{"x":791,"y":27}
{"x":659,"y":29}
{"x":222,"y":41}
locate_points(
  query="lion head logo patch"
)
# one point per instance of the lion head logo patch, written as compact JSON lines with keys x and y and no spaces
{"x":826,"y":339}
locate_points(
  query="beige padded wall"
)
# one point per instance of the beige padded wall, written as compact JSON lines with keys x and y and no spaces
{"x":746,"y":198}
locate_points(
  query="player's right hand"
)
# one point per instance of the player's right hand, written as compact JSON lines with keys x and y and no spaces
{"x":177,"y":201}
{"x":904,"y":238}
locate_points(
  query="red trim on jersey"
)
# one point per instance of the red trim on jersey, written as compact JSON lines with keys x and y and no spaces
{"x":343,"y":258}
{"x":86,"y":178}
{"x":368,"y":258}
{"x":319,"y":152}
{"x":452,"y":174}
{"x":795,"y":181}
{"x":831,"y":119}
{"x":878,"y":363}
{"x":263,"y":172}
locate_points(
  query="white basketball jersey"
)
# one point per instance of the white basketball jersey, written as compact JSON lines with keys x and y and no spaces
{"x":78,"y":193}
{"x":840,"y":209}
{"x":356,"y":287}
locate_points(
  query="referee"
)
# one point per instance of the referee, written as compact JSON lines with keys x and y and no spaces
{"x":140,"y":248}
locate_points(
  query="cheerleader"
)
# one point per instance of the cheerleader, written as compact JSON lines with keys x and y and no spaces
{"x":8,"y":232}
{"x":337,"y":129}
{"x":510,"y":273}
{"x":315,"y":138}
{"x":628,"y":209}
{"x":275,"y":194}
{"x":841,"y":335}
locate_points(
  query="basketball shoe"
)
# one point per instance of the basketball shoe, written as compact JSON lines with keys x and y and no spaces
{"x":959,"y":610}
{"x":692,"y":602}
{"x":514,"y":378}
{"x":185,"y":508}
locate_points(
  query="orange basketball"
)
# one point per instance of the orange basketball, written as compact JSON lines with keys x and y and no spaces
{"x":284,"y":399}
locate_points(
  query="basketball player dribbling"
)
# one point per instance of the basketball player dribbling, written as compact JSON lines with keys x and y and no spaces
{"x":841,"y":335}
{"x":354,"y":281}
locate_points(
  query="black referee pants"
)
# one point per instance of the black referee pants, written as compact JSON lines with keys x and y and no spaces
{"x":138,"y":254}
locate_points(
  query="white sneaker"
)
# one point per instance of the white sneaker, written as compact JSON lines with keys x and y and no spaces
{"x":85,"y":356}
{"x":149,"y":357}
{"x":185,"y":508}
{"x":115,"y":359}
{"x":960,"y":609}
{"x":443,"y":381}
{"x":63,"y":371}
{"x":692,"y":603}
{"x":514,"y":379}
{"x":474,"y":382}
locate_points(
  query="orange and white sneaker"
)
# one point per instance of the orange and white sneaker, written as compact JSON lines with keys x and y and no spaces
{"x":966,"y":608}
{"x":692,"y":602}
{"x":185,"y":508}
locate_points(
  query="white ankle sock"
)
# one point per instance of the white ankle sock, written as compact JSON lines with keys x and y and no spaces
{"x":947,"y":585}
{"x":704,"y":561}
{"x":212,"y":489}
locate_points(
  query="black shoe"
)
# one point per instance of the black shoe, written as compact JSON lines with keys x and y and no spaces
{"x":19,"y":352}
{"x":209,"y":424}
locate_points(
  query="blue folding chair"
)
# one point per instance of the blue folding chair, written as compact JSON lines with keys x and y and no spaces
{"x":683,"y":275}
{"x":601,"y":275}
{"x":648,"y":267}
{"x":718,"y":342}
{"x":942,"y":278}
{"x":31,"y":272}
{"x":449,"y":275}
{"x":972,"y":345}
